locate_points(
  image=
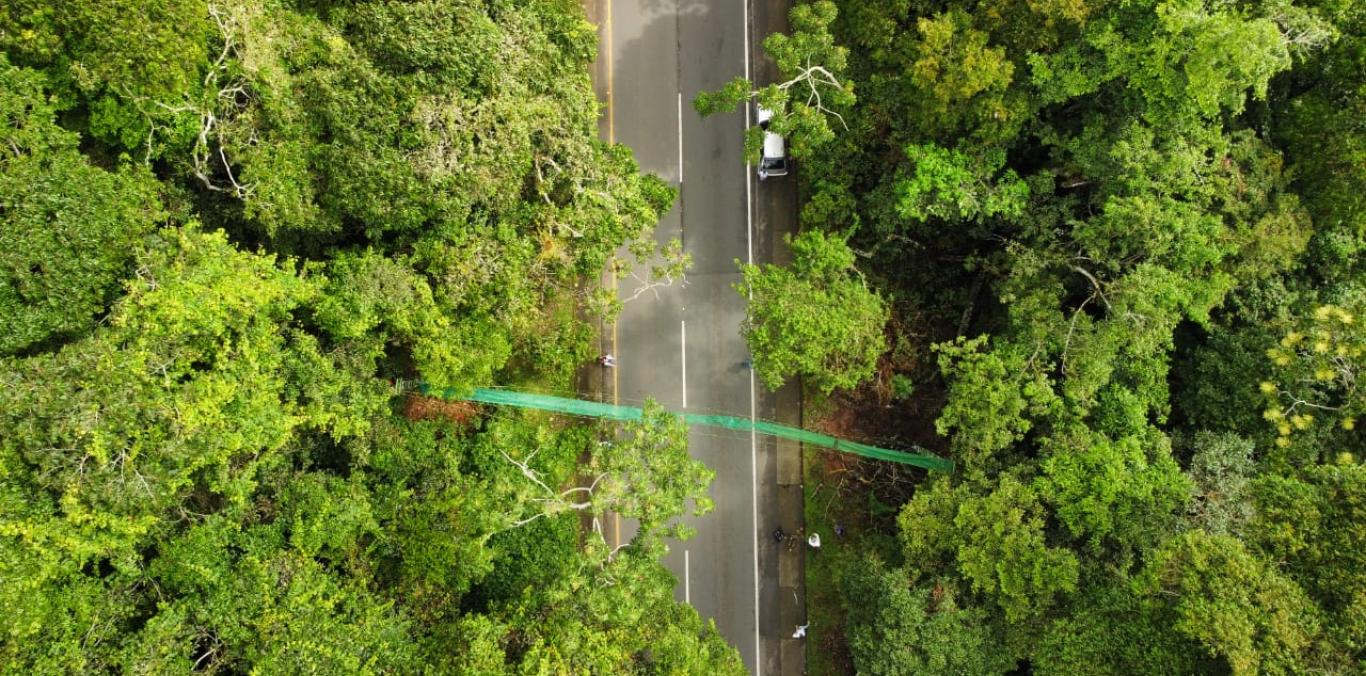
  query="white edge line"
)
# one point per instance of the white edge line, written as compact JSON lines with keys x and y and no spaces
{"x":683,"y":349}
{"x":687,"y":580}
{"x":753,"y":438}
{"x":749,"y":205}
{"x":754,"y":507}
{"x":680,"y":138}
{"x":745,"y":3}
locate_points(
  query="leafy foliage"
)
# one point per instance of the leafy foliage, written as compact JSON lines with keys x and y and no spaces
{"x":1128,"y":491}
{"x":899,"y":630}
{"x":1131,"y":234}
{"x":229,"y":233}
{"x":816,"y":319}
{"x":1221,"y":467}
{"x":995,"y":398}
{"x":948,"y":184}
{"x":67,"y":228}
{"x":1317,"y":367}
{"x":1233,"y":604}
{"x":807,"y":105}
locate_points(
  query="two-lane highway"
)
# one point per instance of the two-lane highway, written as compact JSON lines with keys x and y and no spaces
{"x":681,"y":344}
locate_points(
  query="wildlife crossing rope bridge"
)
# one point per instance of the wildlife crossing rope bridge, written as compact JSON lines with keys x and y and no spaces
{"x":593,"y":409}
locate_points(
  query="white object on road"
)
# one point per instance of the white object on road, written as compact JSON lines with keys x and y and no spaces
{"x":683,"y":356}
{"x":687,"y":580}
{"x":814,"y":541}
{"x":773,"y":159}
{"x":801,"y":631}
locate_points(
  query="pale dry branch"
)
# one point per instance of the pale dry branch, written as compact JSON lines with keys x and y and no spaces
{"x":1066,"y":344}
{"x":552,"y":501}
{"x":1094,"y":282}
{"x":653,"y":284}
{"x":813,"y":77}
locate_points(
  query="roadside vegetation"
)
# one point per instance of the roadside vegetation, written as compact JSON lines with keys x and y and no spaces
{"x":1114,"y":253}
{"x":228,"y":232}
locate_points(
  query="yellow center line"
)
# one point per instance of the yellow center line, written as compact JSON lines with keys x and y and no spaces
{"x":616,"y":518}
{"x":611,"y":114}
{"x":612,"y":138}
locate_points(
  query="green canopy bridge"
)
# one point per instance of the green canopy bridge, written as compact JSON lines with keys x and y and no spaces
{"x":593,"y":409}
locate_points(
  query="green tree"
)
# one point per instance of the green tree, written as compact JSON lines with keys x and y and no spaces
{"x":1313,"y":524}
{"x":1127,"y":491}
{"x":1315,"y":369}
{"x":815,"y":318}
{"x":191,"y":375}
{"x":67,"y":229}
{"x":995,"y":541}
{"x":807,"y":105}
{"x":1321,"y":99}
{"x":1004,"y":554}
{"x":1221,"y":467}
{"x":952,"y":185}
{"x":627,"y":599}
{"x":1182,"y":58}
{"x":1237,"y":606}
{"x":284,"y":611}
{"x":1110,"y":628}
{"x":964,"y":82}
{"x":134,"y":65}
{"x":993,"y":400}
{"x":647,"y":475}
{"x":230,"y":231}
{"x":186,"y":399}
{"x":894,"y":628}
{"x":1121,"y":202}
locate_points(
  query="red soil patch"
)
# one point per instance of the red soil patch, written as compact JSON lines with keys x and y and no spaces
{"x":870,"y":415}
{"x":419,"y":407}
{"x":867,"y":493}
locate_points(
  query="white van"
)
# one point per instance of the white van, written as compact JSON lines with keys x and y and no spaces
{"x":773,"y":160}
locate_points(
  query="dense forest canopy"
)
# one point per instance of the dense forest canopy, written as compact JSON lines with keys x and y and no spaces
{"x":1113,"y":250}
{"x":227,"y":230}
{"x":1118,"y":248}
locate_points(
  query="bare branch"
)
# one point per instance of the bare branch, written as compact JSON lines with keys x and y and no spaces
{"x":1094,"y":282}
{"x":526,"y":470}
{"x":813,"y":76}
{"x":1072,"y":327}
{"x":654,"y":284}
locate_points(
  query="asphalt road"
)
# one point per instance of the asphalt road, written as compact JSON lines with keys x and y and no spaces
{"x":681,"y":345}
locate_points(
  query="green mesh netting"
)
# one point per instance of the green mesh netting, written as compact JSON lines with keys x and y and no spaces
{"x":545,"y":402}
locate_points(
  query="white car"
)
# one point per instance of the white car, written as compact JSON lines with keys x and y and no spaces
{"x":773,"y":160}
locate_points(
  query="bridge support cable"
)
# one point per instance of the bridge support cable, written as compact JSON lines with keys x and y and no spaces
{"x":593,"y":409}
